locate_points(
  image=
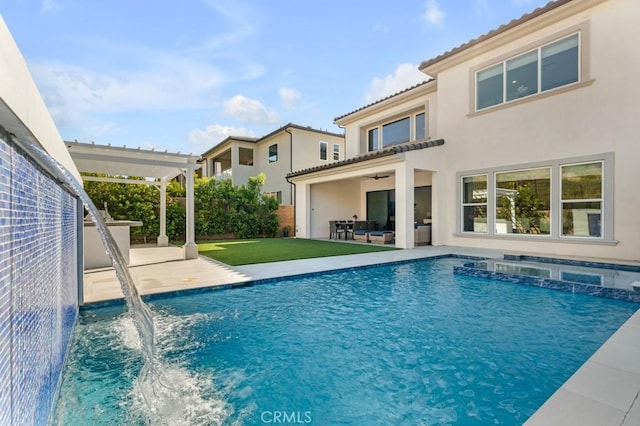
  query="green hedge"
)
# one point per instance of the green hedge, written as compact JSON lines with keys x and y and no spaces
{"x":221,"y":209}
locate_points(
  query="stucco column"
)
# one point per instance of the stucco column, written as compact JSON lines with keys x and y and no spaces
{"x":404,"y":206}
{"x":190,"y":248}
{"x":163,"y":240}
{"x":303,"y":210}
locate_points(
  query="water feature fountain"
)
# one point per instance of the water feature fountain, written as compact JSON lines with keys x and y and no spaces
{"x":159,"y":385}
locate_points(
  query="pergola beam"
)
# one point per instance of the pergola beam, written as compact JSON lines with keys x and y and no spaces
{"x":160,"y":167}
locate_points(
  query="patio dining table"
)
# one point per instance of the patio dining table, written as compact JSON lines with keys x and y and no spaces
{"x":348,"y":226}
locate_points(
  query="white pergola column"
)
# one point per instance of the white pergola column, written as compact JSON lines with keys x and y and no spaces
{"x":190,"y":248}
{"x":404,"y":206}
{"x":163,"y":240}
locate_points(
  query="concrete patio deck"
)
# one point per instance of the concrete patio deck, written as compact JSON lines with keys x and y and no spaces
{"x":604,"y":391}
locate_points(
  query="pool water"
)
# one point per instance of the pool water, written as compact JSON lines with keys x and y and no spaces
{"x":402,"y":344}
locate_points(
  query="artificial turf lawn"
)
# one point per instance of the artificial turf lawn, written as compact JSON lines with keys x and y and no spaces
{"x":262,"y":250}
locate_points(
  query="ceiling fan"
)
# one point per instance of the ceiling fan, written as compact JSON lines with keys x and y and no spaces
{"x":376,"y":177}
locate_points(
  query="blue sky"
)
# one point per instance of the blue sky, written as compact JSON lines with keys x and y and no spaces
{"x":184,"y":75}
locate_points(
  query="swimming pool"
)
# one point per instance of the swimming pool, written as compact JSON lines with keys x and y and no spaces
{"x":402,"y":344}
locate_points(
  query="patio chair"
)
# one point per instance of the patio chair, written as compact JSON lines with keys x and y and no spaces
{"x":335,"y":230}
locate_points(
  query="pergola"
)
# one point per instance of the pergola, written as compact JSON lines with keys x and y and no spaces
{"x":156,"y":167}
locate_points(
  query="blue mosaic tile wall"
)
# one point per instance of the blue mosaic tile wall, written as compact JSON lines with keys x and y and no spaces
{"x":38,"y":287}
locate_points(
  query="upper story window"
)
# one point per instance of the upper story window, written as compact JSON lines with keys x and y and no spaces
{"x":405,"y":129}
{"x":336,"y":152}
{"x":273,"y":153}
{"x":323,"y":151}
{"x":545,"y":68}
{"x":372,"y":139}
{"x":421,"y":126}
{"x":245,"y":156}
{"x":396,"y":132}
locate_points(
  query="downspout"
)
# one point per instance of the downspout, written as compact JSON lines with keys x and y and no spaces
{"x":293,"y":190}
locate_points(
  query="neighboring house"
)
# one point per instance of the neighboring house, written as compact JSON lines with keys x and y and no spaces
{"x":525,"y":139}
{"x":291,"y":147}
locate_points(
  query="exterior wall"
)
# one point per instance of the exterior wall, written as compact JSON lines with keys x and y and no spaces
{"x":277,"y":170}
{"x":242,"y":172}
{"x":306,"y":149}
{"x":593,"y":119}
{"x":39,"y":260}
{"x":338,"y":200}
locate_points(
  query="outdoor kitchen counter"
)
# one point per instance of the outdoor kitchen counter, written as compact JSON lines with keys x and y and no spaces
{"x":95,"y":254}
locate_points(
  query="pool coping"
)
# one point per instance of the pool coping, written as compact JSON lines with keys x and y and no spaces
{"x":604,"y":390}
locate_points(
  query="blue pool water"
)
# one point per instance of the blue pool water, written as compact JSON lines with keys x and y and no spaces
{"x":403,"y":344}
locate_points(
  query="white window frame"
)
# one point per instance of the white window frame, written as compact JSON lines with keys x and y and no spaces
{"x":336,"y":152}
{"x":326,"y":150}
{"x":269,"y":153}
{"x":412,"y":129}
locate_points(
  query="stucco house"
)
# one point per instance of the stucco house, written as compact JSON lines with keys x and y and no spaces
{"x":522,"y":139}
{"x":288,"y":148}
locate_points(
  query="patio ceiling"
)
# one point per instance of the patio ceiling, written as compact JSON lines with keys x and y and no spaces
{"x":122,"y":161}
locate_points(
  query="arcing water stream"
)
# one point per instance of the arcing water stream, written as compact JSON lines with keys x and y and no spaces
{"x":167,"y":391}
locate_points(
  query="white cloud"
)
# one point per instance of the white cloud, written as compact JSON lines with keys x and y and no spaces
{"x":405,"y":76}
{"x":48,"y":6}
{"x":380,"y":28}
{"x":433,"y":15}
{"x":289,"y":98}
{"x":129,"y":77}
{"x":215,"y":133}
{"x":247,"y":110}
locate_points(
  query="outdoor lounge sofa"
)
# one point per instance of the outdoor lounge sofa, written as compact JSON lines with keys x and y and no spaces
{"x":361,"y":235}
{"x":381,"y":237}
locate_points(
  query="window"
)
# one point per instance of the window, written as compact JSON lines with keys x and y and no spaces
{"x":277,"y":195}
{"x":545,"y":68}
{"x":474,"y":203}
{"x":396,"y":132}
{"x":522,"y":76}
{"x":336,"y":152}
{"x":323,"y":151}
{"x":372,"y":138}
{"x":560,"y":63}
{"x":523,"y":201}
{"x":273,"y":153}
{"x":582,"y":199}
{"x":555,"y":200}
{"x":421,"y":129}
{"x":245,"y":156}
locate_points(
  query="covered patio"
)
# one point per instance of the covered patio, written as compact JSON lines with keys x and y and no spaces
{"x":156,"y":167}
{"x":388,"y":187}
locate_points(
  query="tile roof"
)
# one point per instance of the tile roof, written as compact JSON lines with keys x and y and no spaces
{"x":501,"y":29}
{"x":392,"y":150}
{"x":278,"y":130}
{"x":429,"y":80}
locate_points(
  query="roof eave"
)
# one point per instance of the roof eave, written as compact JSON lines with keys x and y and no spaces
{"x":537,"y":19}
{"x":393,"y":150}
{"x":420,"y":89}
